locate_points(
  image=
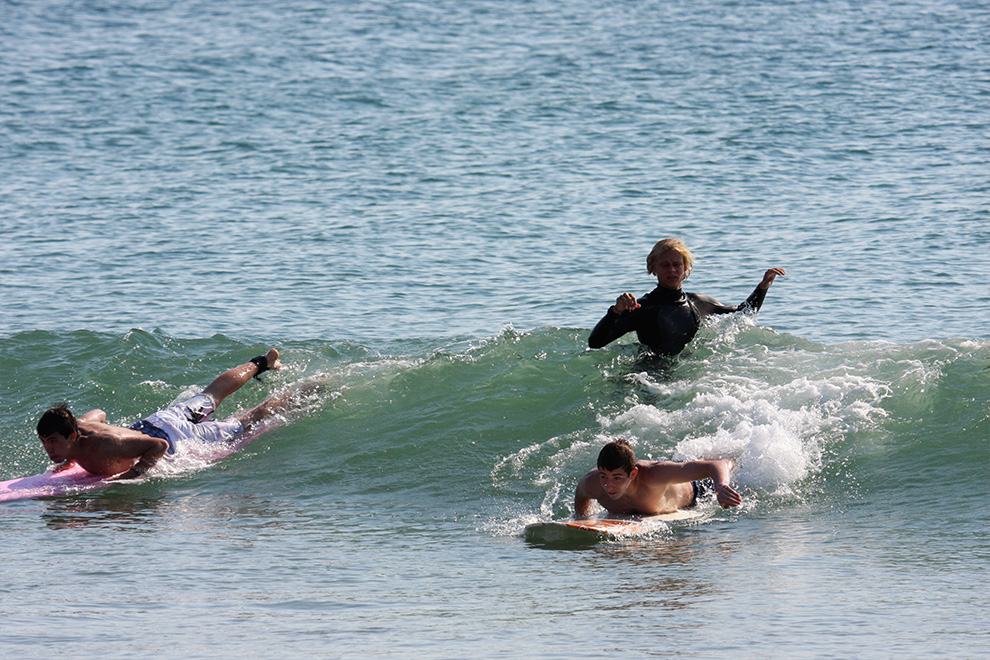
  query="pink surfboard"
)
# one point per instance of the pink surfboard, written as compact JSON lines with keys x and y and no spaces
{"x":47,"y":484}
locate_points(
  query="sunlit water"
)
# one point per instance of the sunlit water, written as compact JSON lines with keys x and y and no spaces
{"x":428,"y":206}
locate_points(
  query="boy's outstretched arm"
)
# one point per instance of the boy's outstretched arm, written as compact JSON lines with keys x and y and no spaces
{"x":155,"y":449}
{"x":95,"y":415}
{"x":582,"y":501}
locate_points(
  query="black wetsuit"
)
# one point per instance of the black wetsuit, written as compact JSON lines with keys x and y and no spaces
{"x":667,"y":320}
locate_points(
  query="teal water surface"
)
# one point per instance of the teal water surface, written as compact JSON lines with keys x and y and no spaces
{"x":427,"y":206}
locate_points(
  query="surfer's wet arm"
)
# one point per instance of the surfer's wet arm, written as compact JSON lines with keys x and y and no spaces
{"x":609,"y":328}
{"x":706,"y":305}
{"x":95,"y":415}
{"x":601,"y":333}
{"x":64,"y":465}
{"x":720,"y":471}
{"x":582,"y":502}
{"x":755,"y":300}
{"x":582,"y":507}
{"x":156,"y":448}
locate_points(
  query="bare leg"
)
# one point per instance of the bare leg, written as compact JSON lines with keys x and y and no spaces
{"x":234,"y":379}
{"x":279,"y":403}
{"x":271,"y":405}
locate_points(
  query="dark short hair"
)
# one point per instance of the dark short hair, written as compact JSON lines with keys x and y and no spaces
{"x":617,"y":454}
{"x":58,"y":419}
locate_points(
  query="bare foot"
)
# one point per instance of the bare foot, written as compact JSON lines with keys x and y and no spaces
{"x":272,"y":357}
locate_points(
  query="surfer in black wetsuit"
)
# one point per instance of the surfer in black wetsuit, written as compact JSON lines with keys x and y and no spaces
{"x":667,"y":318}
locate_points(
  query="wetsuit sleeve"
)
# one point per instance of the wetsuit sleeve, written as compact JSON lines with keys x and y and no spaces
{"x":611,"y":327}
{"x":755,"y":300}
{"x":708,"y":305}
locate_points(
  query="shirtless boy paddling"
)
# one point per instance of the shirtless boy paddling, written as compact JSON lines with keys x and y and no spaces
{"x":128,"y":453}
{"x":623,"y":485}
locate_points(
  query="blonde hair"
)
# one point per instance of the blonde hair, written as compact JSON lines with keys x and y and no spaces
{"x":668,"y":245}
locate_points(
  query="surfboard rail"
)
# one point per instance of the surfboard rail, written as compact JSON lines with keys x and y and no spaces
{"x":596,"y":529}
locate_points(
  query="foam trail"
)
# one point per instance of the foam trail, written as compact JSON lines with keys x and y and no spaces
{"x":775,"y":432}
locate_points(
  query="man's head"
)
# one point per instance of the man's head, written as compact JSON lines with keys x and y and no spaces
{"x":58,"y":429}
{"x":616,"y":468}
{"x":671,"y":261}
{"x":617,"y":455}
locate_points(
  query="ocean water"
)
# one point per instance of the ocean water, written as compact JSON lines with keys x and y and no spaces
{"x":426,"y":207}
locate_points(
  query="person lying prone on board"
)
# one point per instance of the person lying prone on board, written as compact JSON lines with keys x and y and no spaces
{"x":623,"y":485}
{"x":127,"y":453}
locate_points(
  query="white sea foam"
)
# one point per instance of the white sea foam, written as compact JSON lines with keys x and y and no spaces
{"x":775,"y":431}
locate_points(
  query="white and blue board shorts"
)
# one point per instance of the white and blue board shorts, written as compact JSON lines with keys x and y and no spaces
{"x":189,"y":420}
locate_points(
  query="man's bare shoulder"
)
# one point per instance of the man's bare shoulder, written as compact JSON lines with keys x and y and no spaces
{"x":106,"y":439}
{"x":111,"y":450}
{"x":659,"y":473}
{"x":95,"y":415}
{"x":96,"y":431}
{"x":656,"y":466}
{"x":588,"y":482}
{"x":686,"y":471}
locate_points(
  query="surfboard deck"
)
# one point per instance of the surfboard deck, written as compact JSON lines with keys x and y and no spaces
{"x":48,"y":484}
{"x":596,"y":529}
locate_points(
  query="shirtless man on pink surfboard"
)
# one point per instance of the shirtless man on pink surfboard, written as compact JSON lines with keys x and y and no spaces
{"x":127,"y":453}
{"x":623,"y":485}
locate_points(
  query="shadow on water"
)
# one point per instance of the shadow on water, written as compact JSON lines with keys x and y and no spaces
{"x":118,"y":510}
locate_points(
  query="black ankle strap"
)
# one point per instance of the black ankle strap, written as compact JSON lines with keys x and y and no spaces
{"x":262,"y":363}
